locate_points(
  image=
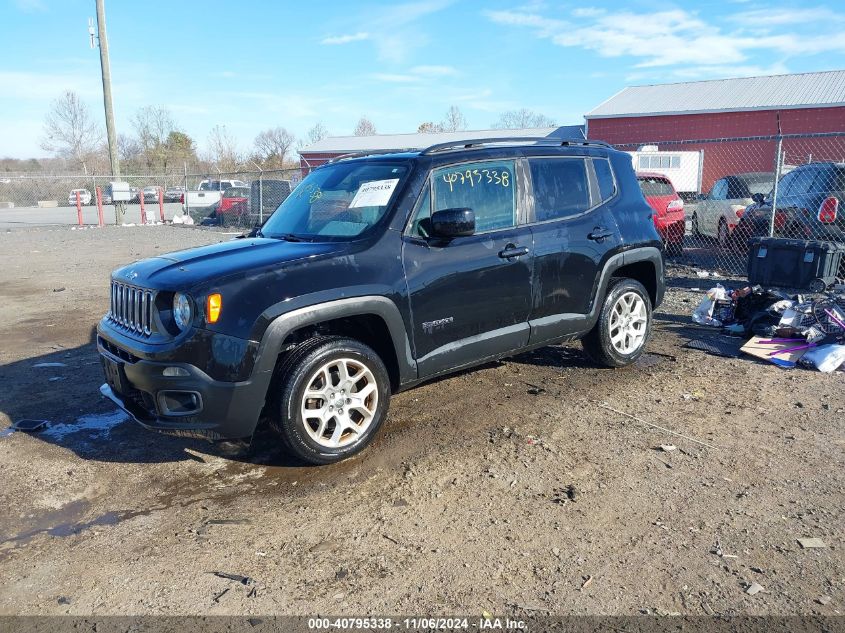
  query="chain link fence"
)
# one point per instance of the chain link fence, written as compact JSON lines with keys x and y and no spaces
{"x":238,"y":199}
{"x":712,"y":197}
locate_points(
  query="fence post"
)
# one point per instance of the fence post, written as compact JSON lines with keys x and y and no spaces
{"x":161,"y":203}
{"x":143,"y":209}
{"x":260,"y":197}
{"x":99,"y":192}
{"x":186,"y":210}
{"x":778,"y":167}
{"x":79,"y":208}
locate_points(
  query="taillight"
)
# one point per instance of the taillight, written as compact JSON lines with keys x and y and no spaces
{"x":676,"y":204}
{"x":740,"y":212}
{"x":829,"y":210}
{"x":780,"y":220}
{"x":182,"y":198}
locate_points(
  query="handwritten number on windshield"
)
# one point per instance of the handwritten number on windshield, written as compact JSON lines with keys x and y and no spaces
{"x":475,"y":177}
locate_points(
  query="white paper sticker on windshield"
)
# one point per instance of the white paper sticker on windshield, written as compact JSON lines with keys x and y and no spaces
{"x":374,"y":194}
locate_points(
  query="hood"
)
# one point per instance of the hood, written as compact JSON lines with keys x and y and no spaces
{"x":183,"y":270}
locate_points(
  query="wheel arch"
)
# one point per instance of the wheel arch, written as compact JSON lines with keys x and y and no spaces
{"x":372,"y":320}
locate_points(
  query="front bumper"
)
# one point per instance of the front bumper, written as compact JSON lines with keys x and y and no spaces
{"x":223,"y":409}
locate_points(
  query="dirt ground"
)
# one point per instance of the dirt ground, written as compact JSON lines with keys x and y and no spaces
{"x":508,"y":489}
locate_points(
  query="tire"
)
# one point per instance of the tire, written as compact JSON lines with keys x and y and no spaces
{"x":722,"y":234}
{"x":694,"y":225}
{"x":600,"y":343}
{"x":341,"y":428}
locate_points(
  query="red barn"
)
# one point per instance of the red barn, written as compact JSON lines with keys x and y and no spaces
{"x":734,"y":122}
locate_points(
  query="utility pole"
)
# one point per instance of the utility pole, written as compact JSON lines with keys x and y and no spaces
{"x":107,"y":103}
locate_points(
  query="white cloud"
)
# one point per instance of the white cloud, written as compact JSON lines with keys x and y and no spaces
{"x":345,"y":39}
{"x":756,"y":18}
{"x":31,"y":6}
{"x":435,"y":71}
{"x":395,"y":78}
{"x":417,"y":74}
{"x":675,"y":38}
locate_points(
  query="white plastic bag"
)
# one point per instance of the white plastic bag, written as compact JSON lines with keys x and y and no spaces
{"x":703,"y":314}
{"x":826,"y":358}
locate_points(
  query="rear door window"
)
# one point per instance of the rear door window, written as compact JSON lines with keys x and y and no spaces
{"x":561,"y":187}
{"x":488,"y":188}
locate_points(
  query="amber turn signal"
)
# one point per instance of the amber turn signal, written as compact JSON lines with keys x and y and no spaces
{"x":213,"y":306}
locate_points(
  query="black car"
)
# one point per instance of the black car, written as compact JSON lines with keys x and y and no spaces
{"x":809,"y":199}
{"x":380,"y":272}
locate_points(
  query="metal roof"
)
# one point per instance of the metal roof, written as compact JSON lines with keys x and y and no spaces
{"x":805,"y":90}
{"x":352,"y":144}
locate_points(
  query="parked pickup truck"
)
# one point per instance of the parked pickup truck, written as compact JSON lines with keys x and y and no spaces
{"x":378,"y":273}
{"x":208,"y":194}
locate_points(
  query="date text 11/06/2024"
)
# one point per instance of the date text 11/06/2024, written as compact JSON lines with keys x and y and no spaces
{"x":422,"y":623}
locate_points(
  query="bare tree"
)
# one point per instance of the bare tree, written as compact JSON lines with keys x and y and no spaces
{"x":429,"y":128}
{"x":223,"y":148}
{"x":128,"y":148}
{"x":365,"y":127}
{"x":316,"y":133}
{"x":454,"y":120}
{"x":153,"y":125}
{"x":524,"y":118}
{"x":272,"y":146}
{"x":69,"y":130}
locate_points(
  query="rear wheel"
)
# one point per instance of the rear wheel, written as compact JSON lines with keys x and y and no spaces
{"x":624,"y":325}
{"x":332,"y":398}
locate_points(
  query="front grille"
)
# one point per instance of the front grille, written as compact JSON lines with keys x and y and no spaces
{"x":131,"y":308}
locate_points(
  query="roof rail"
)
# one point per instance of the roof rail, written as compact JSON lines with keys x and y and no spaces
{"x":478,"y":143}
{"x":372,"y":152}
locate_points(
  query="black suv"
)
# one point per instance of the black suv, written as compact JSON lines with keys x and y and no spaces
{"x":809,"y":199}
{"x":380,"y":272}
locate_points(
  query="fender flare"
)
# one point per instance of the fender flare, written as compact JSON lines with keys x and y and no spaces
{"x":650,"y":254}
{"x":382,"y":307}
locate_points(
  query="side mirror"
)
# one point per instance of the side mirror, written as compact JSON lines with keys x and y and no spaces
{"x":453,"y":223}
{"x":758,"y":198}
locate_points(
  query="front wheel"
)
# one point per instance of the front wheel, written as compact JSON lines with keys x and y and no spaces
{"x":333,"y":397}
{"x":624,"y":325}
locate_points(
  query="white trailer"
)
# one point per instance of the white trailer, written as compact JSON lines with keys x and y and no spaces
{"x":682,"y":168}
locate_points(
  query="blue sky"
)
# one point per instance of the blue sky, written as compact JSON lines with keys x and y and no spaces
{"x":250,"y":65}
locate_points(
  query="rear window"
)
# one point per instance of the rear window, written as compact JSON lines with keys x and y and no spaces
{"x":656,"y":186}
{"x":236,"y":192}
{"x":561,"y":187}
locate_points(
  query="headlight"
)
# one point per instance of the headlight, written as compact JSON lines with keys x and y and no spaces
{"x":182,"y":310}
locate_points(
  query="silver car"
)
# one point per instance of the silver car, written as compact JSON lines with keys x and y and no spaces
{"x":717,"y":213}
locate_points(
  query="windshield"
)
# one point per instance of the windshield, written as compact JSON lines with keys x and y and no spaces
{"x":656,"y":187}
{"x":759,"y":184}
{"x":337,"y":201}
{"x":236,"y":192}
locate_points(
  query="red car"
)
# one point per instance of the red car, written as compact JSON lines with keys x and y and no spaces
{"x":669,"y":219}
{"x":232,"y":205}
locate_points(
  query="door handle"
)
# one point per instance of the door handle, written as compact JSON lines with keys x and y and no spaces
{"x":599,"y":234}
{"x":513,"y":251}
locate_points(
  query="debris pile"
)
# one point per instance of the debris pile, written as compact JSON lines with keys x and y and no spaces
{"x":786,"y":330}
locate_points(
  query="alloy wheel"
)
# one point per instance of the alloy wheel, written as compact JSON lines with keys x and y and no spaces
{"x":339,"y":403}
{"x":628,"y":323}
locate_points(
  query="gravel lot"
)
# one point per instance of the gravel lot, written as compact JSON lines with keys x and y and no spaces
{"x":506,"y":489}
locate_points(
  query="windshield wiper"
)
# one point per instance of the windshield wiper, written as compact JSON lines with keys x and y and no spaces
{"x":287,"y":237}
